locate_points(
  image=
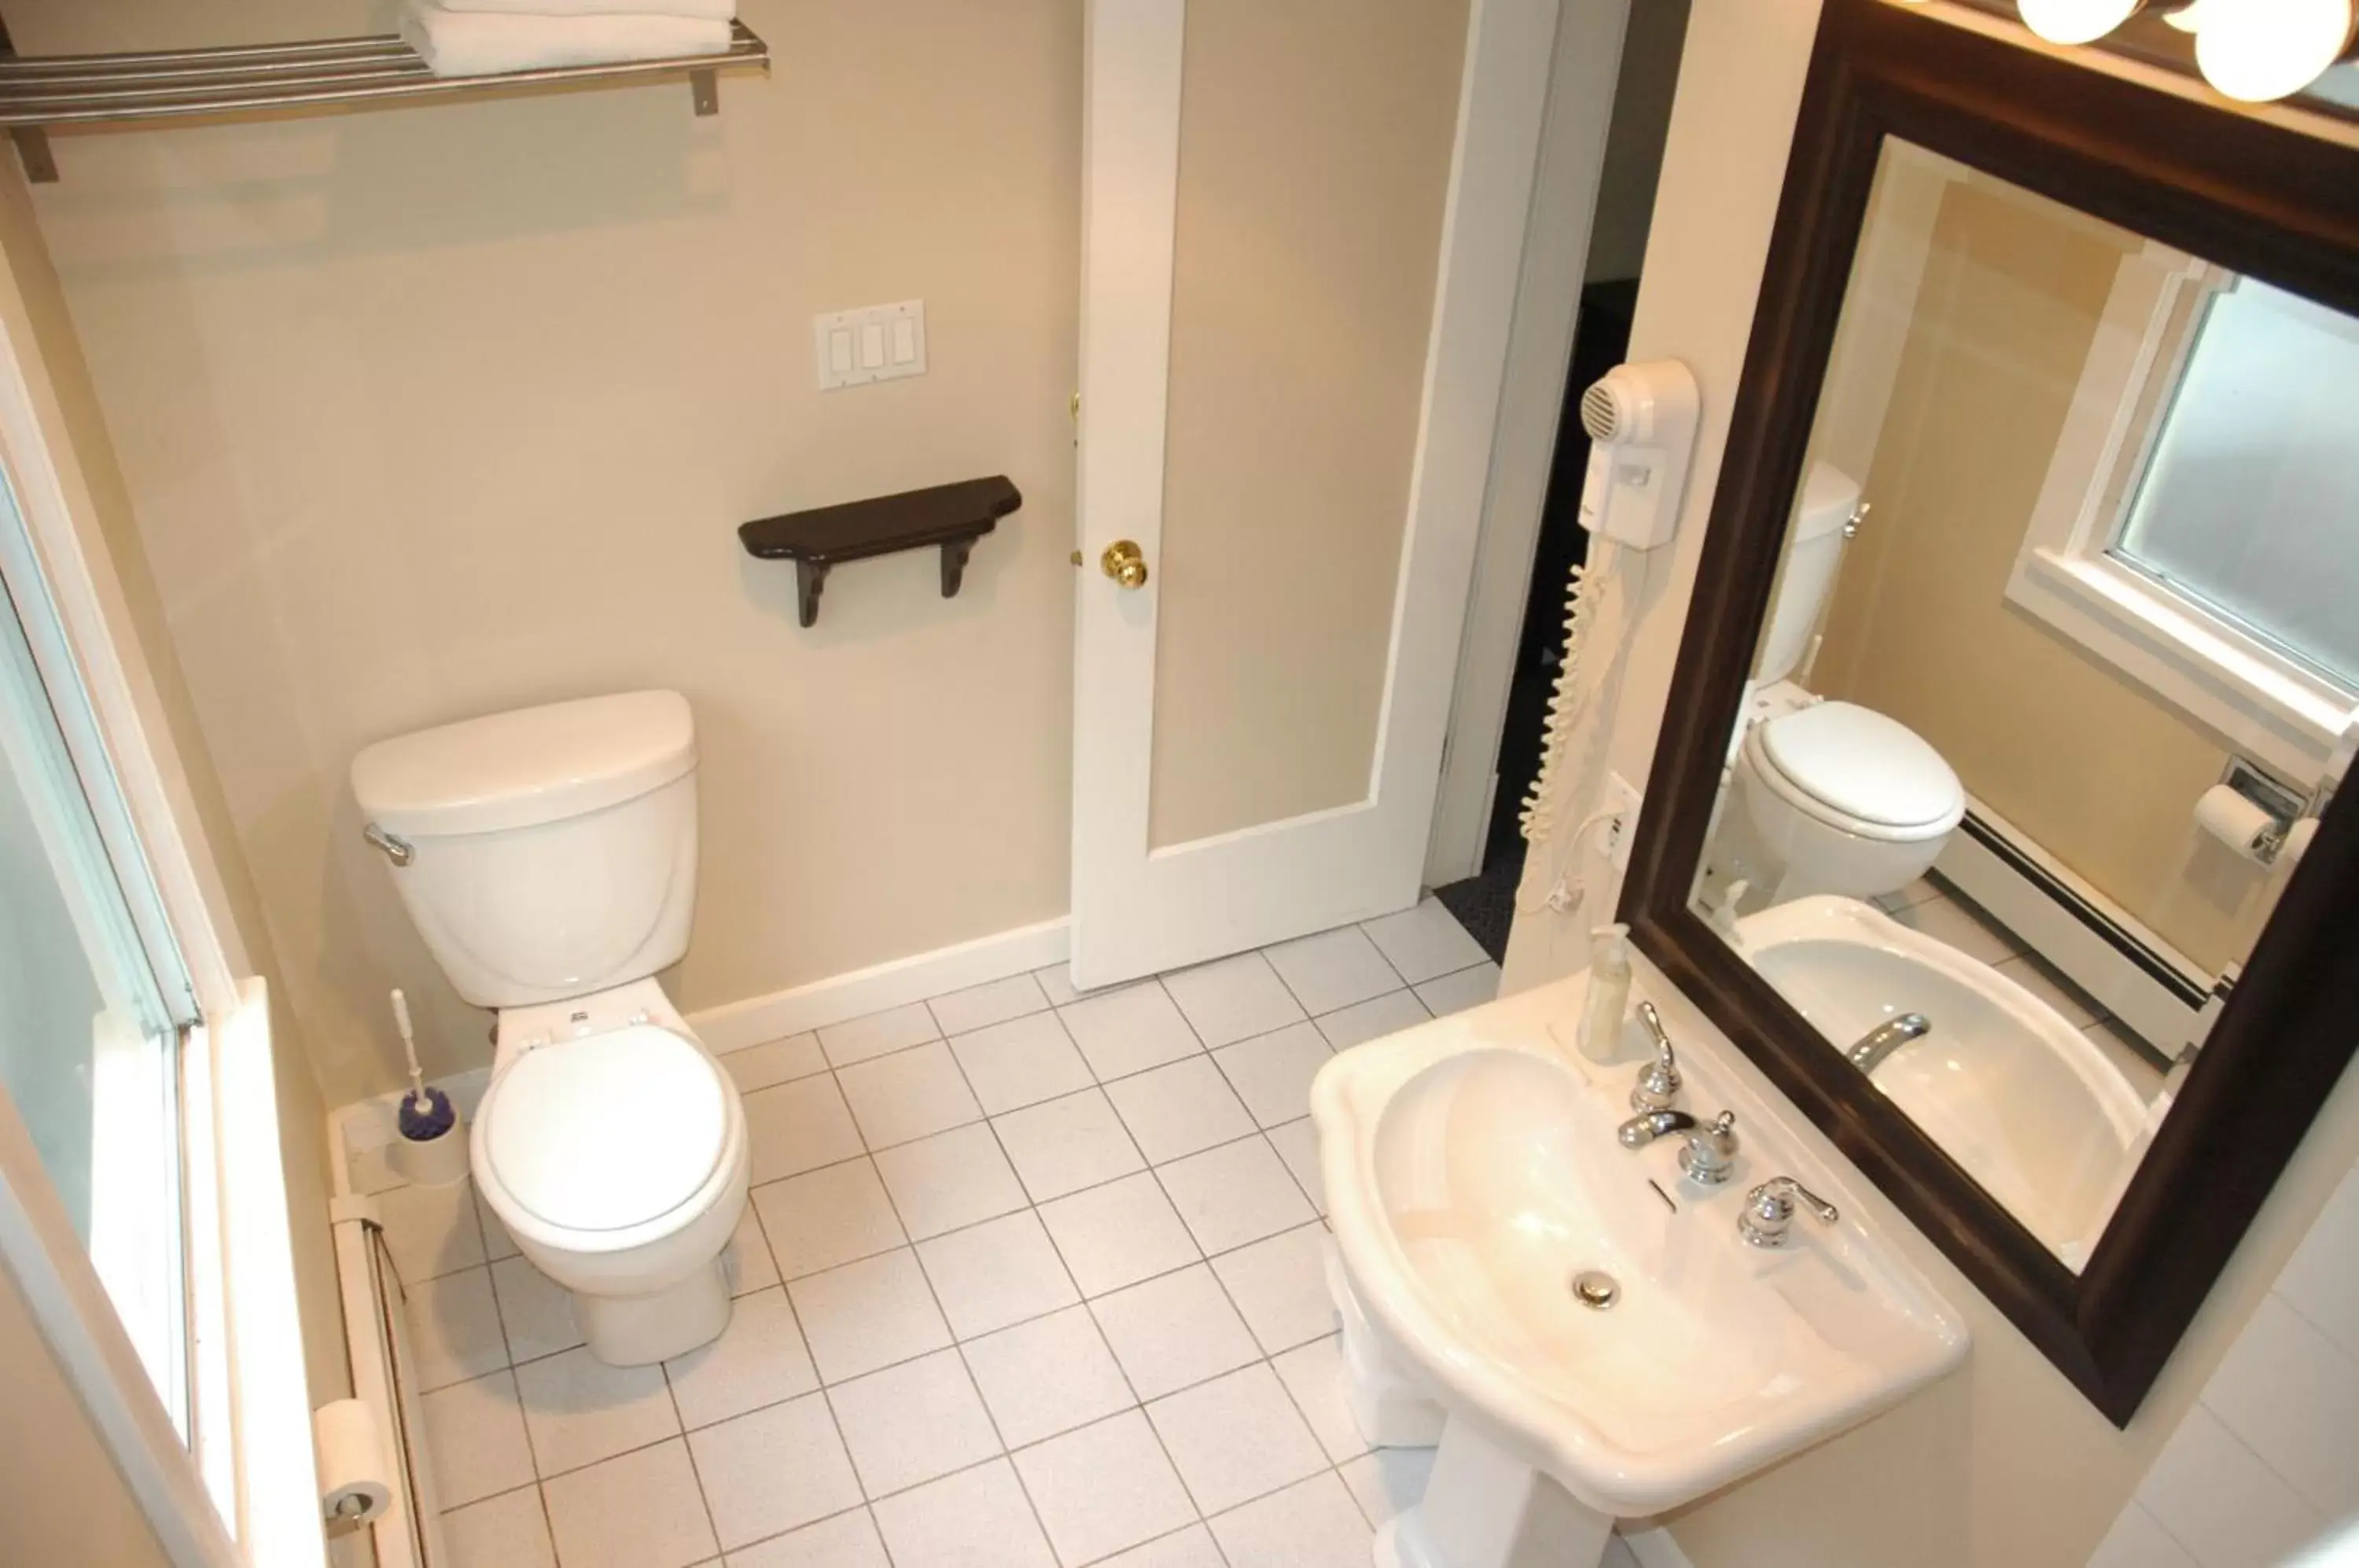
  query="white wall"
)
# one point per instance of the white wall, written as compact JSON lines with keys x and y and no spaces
{"x":2269,"y":1457}
{"x":2003,"y":1465}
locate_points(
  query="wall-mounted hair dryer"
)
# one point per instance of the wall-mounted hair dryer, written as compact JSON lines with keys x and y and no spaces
{"x":1641,"y":420}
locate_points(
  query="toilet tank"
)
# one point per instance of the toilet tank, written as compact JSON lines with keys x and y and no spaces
{"x":551,"y":850}
{"x":1813,"y":552}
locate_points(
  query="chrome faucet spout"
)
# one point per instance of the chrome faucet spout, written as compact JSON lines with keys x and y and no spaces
{"x":1880,"y":1041}
{"x":1658,"y":1080}
{"x":1647,"y":1125}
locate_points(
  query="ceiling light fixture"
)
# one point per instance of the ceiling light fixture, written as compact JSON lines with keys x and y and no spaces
{"x":2076,"y":21}
{"x":2263,"y":50}
{"x":2256,"y":50}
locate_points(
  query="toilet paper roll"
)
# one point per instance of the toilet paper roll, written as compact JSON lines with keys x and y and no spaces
{"x":2235,"y":822}
{"x":353,"y":1475}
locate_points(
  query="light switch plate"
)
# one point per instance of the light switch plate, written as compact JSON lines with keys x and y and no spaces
{"x":876,"y":342}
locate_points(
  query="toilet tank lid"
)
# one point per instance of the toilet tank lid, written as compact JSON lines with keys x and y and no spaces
{"x":525,"y":768}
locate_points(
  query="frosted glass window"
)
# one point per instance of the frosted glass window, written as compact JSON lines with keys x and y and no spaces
{"x":2250,"y":502}
{"x":90,"y":1029}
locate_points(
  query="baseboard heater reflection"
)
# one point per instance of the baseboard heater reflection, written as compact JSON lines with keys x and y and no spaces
{"x":376,"y":1337}
{"x":2155,"y":993}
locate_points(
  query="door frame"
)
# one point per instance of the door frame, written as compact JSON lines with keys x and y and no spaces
{"x":1137,"y":909}
{"x":1582,"y":86}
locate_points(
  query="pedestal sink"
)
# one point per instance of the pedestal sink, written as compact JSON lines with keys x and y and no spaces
{"x":1584,"y":1329}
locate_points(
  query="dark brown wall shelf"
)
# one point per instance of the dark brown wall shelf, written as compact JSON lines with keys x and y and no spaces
{"x":950,"y":516}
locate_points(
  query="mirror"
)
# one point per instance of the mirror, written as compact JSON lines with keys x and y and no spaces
{"x":1993,"y":814}
{"x":2064,"y":632}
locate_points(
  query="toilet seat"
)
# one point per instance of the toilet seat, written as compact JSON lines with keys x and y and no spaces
{"x":604,"y":1135}
{"x":1857,"y":770}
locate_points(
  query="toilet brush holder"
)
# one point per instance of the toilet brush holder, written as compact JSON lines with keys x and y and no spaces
{"x":429,"y":1146}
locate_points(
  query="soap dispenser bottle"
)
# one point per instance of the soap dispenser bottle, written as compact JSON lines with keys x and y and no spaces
{"x":1609,"y":993}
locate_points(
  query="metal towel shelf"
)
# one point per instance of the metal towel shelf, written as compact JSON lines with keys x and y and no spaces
{"x":38,"y":93}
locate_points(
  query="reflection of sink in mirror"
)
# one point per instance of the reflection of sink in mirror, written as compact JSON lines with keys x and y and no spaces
{"x":2020,"y":1098}
{"x":1836,"y":798}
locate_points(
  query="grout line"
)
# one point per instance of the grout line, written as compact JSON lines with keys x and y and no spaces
{"x":861,"y":1508}
{"x":956,"y":1346}
{"x":695,"y":1472}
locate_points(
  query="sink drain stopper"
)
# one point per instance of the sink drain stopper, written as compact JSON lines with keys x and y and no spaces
{"x":1595,"y":1288}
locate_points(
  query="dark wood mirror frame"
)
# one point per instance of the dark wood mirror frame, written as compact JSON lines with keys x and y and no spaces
{"x":2258,"y":198}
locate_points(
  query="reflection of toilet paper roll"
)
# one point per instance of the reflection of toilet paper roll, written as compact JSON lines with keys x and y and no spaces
{"x":352,"y":1472}
{"x":2234,"y":822}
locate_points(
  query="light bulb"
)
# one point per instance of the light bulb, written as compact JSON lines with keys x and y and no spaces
{"x":2076,"y":21}
{"x":2262,"y":49}
{"x":2188,"y":17}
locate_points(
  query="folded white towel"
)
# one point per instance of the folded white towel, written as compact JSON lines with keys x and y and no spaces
{"x":709,"y":10}
{"x":483,"y":43}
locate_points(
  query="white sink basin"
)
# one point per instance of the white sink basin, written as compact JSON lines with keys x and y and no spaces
{"x":2022,"y":1100}
{"x":1471,"y":1171}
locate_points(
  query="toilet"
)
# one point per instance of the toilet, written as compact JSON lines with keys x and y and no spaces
{"x":548,"y":856}
{"x":1835,"y":797}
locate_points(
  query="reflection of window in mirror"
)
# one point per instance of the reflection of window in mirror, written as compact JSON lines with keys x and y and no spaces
{"x":2077,"y":541}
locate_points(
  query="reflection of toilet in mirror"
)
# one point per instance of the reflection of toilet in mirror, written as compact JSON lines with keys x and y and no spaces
{"x":1833,"y":798}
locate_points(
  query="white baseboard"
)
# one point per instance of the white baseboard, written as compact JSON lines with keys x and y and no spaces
{"x":736,"y":1024}
{"x":1655,"y":1549}
{"x":358,"y":1130}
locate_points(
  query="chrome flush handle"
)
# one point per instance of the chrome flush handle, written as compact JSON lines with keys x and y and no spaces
{"x":397,"y":849}
{"x":1658,"y":1080}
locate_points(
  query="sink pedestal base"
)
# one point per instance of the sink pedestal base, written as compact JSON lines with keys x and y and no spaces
{"x":1486,"y":1508}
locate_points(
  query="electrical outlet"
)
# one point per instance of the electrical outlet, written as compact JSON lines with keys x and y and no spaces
{"x":1623,"y":800}
{"x":874,"y":344}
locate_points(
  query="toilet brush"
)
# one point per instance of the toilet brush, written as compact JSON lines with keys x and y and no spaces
{"x":431,"y":1151}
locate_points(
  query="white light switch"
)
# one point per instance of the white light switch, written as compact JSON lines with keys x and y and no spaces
{"x":877,"y":343}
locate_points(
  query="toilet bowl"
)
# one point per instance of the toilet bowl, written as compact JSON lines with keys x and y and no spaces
{"x":1841,"y":799}
{"x":548,"y":856}
{"x":612,"y":1147}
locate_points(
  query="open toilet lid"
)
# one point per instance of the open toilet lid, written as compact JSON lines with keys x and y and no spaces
{"x":1863,"y":765}
{"x":608,"y":1131}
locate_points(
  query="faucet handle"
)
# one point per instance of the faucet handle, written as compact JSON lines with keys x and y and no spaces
{"x":1711,"y":1151}
{"x":1658,"y":1080}
{"x":1769,"y":1211}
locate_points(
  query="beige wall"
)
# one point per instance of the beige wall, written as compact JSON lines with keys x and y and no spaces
{"x":441,"y":410}
{"x":1314,"y":155}
{"x":2097,"y":770}
{"x":2003,"y":1466}
{"x":63,"y":1503}
{"x":33,"y":312}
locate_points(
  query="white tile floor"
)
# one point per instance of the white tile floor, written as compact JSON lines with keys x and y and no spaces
{"x":1028,"y":1278}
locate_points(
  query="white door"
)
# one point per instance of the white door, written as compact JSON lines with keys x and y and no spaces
{"x":1302,"y":224}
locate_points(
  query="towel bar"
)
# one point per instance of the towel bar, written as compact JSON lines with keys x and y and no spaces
{"x":40,"y":92}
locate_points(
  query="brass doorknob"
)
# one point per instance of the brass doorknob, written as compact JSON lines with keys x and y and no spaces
{"x":1123,"y":563}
